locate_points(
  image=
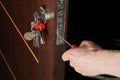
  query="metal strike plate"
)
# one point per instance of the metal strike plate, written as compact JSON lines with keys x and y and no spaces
{"x":60,"y":20}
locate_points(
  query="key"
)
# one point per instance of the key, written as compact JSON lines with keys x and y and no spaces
{"x":36,"y":39}
{"x":37,"y":27}
{"x":42,"y":41}
{"x":29,"y":36}
{"x":40,"y":27}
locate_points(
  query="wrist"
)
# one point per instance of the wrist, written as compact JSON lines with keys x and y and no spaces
{"x":109,"y":62}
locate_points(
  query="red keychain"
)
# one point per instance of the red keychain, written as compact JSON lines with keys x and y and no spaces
{"x":74,"y":46}
{"x":40,"y":26}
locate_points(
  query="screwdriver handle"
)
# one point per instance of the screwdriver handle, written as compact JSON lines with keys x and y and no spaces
{"x":74,"y":46}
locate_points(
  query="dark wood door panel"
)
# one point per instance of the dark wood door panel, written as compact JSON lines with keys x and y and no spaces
{"x":52,"y":66}
{"x":4,"y":70}
{"x":19,"y":19}
{"x":21,"y":12}
{"x":26,"y":61}
{"x":17,"y":54}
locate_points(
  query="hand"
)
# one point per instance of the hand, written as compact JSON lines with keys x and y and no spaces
{"x":83,"y":59}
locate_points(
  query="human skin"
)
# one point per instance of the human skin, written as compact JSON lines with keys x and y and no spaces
{"x":89,"y":59}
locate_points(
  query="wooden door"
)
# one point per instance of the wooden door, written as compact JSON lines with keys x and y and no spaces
{"x":19,"y":59}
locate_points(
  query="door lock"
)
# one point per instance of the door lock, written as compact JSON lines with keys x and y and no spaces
{"x":41,"y":17}
{"x":42,"y":13}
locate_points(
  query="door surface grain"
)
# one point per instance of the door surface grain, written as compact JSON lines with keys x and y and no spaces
{"x":25,"y":61}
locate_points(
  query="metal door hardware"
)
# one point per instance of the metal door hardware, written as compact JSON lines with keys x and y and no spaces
{"x":60,"y":20}
{"x":43,"y":14}
{"x":41,"y":17}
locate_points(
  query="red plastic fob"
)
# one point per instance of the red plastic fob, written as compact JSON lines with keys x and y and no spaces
{"x":40,"y":26}
{"x":74,"y":46}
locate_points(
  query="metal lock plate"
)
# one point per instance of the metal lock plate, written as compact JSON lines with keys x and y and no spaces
{"x":60,"y":20}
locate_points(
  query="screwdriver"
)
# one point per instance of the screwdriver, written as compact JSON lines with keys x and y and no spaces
{"x":72,"y":46}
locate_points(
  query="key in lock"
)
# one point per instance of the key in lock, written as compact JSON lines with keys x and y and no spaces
{"x":37,"y":28}
{"x":41,"y":17}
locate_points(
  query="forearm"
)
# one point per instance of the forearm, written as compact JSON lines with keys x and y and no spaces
{"x":110,"y":62}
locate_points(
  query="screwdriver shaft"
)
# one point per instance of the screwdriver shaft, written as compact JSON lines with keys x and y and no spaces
{"x":64,"y":40}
